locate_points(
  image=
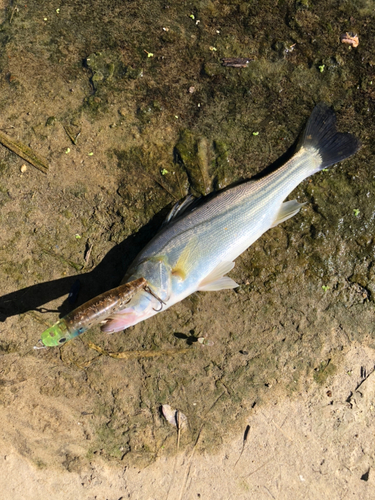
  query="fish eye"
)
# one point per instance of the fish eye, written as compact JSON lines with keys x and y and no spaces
{"x":61,"y":341}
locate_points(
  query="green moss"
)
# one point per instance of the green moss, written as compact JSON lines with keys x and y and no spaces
{"x":40,"y":464}
{"x":194,"y":154}
{"x":104,"y":66}
{"x":4,"y":167}
{"x":108,"y":440}
{"x":324,"y":370}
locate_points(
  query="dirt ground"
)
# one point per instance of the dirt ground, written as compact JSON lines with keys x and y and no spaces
{"x":130,"y":105}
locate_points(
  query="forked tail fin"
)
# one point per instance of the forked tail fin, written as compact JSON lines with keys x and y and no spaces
{"x":321,"y":134}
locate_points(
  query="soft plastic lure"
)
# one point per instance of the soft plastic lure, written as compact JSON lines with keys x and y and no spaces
{"x":91,"y":313}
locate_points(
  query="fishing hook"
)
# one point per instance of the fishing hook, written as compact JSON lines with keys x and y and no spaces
{"x":148,"y":290}
{"x":39,"y":345}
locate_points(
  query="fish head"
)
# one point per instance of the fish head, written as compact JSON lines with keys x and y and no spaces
{"x":144,"y":304}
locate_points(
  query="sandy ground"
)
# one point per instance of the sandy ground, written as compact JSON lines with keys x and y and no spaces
{"x":132,"y":109}
{"x":318,"y":445}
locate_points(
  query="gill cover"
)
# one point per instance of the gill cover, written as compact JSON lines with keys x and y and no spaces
{"x":144,"y":305}
{"x":159,"y":277}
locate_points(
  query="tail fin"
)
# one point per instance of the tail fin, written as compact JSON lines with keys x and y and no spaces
{"x":320,"y":134}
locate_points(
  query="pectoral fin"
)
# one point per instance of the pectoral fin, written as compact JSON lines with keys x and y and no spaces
{"x":186,"y":259}
{"x":216,"y":279}
{"x":287,"y":210}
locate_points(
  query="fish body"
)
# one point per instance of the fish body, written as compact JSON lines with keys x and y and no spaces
{"x":91,"y":313}
{"x":197,"y":247}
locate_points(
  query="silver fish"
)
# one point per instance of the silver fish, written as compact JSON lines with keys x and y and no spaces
{"x":197,"y":246}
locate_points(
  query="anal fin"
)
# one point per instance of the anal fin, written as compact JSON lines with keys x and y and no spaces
{"x":216,"y":280}
{"x":287,"y":210}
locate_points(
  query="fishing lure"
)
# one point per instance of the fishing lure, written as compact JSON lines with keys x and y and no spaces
{"x":91,"y":313}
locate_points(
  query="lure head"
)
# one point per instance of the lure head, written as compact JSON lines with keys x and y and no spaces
{"x":57,"y":334}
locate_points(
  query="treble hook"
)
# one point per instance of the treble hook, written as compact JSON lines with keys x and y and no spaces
{"x":39,"y":345}
{"x":148,"y":290}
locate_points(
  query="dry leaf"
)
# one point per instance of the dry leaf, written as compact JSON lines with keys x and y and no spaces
{"x":174,"y":417}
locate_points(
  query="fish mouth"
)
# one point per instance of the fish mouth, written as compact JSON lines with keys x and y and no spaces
{"x":121,"y":321}
{"x":139,"y":309}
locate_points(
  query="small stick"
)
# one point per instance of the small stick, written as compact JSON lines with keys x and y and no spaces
{"x":161,"y":184}
{"x":236,"y":62}
{"x":178,"y":421}
{"x":24,"y":152}
{"x":245,"y":436}
{"x":15,"y":9}
{"x":138,"y":354}
{"x":72,"y":137}
{"x":89,"y":247}
{"x":178,"y":424}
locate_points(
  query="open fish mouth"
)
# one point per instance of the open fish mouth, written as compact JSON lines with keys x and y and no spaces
{"x":121,"y":322}
{"x":144,"y":305}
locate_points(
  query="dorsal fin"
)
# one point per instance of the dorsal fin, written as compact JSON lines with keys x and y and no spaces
{"x":179,"y":208}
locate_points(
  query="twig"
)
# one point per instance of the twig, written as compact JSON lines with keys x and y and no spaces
{"x":89,"y":247}
{"x":256,"y":470}
{"x":161,"y":184}
{"x":15,"y":9}
{"x":245,"y":436}
{"x":268,"y":491}
{"x":195,"y":446}
{"x":138,"y":354}
{"x":24,"y":152}
{"x":365,"y":377}
{"x":178,"y":429}
{"x":73,"y":137}
{"x":178,"y":422}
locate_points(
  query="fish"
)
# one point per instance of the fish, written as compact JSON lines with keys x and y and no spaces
{"x":91,"y":313}
{"x":198,"y":243}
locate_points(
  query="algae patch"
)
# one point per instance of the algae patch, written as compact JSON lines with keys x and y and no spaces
{"x":323,"y":371}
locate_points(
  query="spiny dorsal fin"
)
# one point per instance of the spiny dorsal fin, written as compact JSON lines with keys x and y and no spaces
{"x":179,"y":208}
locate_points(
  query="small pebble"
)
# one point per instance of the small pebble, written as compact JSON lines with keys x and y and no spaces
{"x":23,"y":168}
